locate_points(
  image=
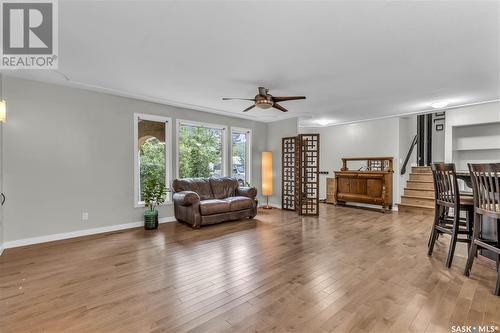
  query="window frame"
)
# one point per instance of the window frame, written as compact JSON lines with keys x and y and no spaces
{"x":224,"y":129}
{"x":168,"y":155}
{"x":248,"y":150}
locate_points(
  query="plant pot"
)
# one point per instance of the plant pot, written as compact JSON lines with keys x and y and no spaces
{"x":151,"y":219}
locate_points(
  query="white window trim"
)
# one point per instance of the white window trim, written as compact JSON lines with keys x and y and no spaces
{"x":224,"y":129}
{"x":168,"y":155}
{"x":248,"y":149}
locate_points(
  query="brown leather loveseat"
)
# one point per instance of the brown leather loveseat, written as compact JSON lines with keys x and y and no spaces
{"x":201,"y":201}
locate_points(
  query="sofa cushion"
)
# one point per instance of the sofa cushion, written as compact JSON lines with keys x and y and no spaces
{"x":198,"y":185}
{"x":214,"y":206}
{"x":239,"y":203}
{"x":223,"y":187}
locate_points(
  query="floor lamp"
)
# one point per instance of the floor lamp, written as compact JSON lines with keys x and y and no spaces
{"x":267,"y":176}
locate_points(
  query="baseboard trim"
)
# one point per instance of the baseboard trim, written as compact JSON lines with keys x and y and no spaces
{"x":78,"y":233}
{"x":362,"y":205}
{"x":271,"y":204}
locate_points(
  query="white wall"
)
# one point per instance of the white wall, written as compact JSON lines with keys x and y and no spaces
{"x":488,"y":113}
{"x":69,"y":150}
{"x":407,"y":131}
{"x":369,"y":138}
{"x":275,"y":132}
{"x":438,"y":138}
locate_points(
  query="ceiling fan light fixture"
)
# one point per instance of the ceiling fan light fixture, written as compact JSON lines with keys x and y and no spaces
{"x":264,"y":100}
{"x":264,"y":104}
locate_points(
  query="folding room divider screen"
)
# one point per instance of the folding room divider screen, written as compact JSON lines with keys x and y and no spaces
{"x":300,"y":174}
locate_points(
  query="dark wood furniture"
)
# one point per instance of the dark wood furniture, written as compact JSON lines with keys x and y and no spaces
{"x":300,"y":174}
{"x":447,"y":196}
{"x":289,"y":166}
{"x":487,"y":227}
{"x":371,"y":184}
{"x":486,"y":188}
{"x":330,"y":190}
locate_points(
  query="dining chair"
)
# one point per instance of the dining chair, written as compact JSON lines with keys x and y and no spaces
{"x":447,"y":201}
{"x":486,"y":188}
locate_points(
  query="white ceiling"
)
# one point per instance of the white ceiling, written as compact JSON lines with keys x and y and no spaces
{"x":353,"y":60}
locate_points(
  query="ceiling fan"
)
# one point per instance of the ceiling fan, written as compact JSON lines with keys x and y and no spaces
{"x":264,"y":100}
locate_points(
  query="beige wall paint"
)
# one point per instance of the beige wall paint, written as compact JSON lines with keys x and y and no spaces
{"x":69,"y":150}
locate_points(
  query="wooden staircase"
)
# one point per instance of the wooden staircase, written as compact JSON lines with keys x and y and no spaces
{"x":418,"y":196}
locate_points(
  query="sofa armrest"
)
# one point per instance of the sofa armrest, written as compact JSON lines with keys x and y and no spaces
{"x":186,"y":198}
{"x":250,"y":192}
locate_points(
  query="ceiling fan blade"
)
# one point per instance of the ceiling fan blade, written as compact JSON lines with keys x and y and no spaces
{"x":288,"y":98}
{"x":262,"y":91}
{"x":279,"y":107}
{"x":249,"y":108}
{"x":243,"y":99}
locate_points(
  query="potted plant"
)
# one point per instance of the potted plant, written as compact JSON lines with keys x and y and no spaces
{"x":154,"y":195}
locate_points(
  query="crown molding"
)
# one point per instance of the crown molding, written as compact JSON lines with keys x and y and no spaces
{"x":403,"y":114}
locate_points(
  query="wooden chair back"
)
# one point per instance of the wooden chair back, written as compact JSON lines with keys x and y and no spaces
{"x":446,"y":189}
{"x":485,"y":185}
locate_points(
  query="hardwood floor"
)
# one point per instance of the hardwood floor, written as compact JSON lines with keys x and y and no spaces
{"x":350,"y":270}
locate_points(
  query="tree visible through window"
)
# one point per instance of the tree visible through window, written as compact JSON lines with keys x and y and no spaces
{"x":200,"y":151}
{"x":152,"y":162}
{"x":240,"y":155}
{"x":151,"y":153}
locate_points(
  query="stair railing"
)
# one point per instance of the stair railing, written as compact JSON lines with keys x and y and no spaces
{"x":410,"y":151}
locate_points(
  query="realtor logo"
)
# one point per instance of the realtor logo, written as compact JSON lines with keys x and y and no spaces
{"x":29,"y":34}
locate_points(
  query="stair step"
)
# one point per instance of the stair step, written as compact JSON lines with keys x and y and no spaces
{"x":421,"y":176}
{"x":419,"y":193}
{"x":421,"y":169}
{"x":419,"y":201}
{"x":422,"y":185}
{"x":415,"y":209}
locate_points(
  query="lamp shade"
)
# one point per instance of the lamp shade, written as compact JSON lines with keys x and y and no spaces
{"x":3,"y":111}
{"x":267,"y":173}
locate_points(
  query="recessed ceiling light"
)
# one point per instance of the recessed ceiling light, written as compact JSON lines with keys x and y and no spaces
{"x":323,"y":122}
{"x":440,"y":104}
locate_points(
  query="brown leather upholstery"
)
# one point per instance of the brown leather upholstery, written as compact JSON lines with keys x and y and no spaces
{"x":198,"y":185}
{"x":214,"y":206}
{"x":201,"y":201}
{"x":239,"y":203}
{"x":186,"y":198}
{"x":223,"y":187}
{"x":250,"y":192}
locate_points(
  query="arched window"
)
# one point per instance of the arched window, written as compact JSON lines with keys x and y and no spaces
{"x":151,"y":152}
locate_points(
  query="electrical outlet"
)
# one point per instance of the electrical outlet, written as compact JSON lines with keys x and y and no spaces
{"x":85,"y":216}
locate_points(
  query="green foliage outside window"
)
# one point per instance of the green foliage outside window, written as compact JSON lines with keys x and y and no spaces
{"x":152,"y":163}
{"x":239,"y":156}
{"x":200,"y":152}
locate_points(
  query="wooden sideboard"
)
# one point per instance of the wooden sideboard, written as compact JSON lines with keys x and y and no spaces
{"x":371,"y":183}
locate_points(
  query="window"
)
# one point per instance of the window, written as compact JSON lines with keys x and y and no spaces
{"x":151,"y":152}
{"x":240,"y":154}
{"x":200,"y":149}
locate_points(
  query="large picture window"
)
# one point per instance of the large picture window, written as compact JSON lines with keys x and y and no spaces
{"x":200,"y":149}
{"x":151,"y":152}
{"x":240,"y":154}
